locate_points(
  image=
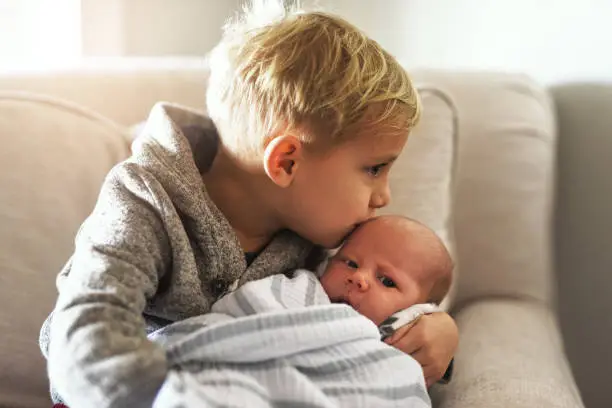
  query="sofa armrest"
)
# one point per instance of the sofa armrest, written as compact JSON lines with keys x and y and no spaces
{"x":510,"y":355}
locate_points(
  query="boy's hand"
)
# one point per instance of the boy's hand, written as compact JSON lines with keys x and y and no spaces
{"x":432,"y":340}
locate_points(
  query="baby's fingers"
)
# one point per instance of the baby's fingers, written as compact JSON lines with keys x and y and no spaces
{"x":398,"y":334}
{"x":403,"y":341}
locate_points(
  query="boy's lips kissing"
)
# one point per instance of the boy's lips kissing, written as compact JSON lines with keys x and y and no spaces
{"x":351,"y":229}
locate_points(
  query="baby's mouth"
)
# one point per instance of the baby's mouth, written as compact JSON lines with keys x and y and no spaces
{"x":343,"y":301}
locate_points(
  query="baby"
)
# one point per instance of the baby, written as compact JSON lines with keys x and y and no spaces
{"x":387,"y":265}
{"x":387,"y":270}
{"x":273,"y":333}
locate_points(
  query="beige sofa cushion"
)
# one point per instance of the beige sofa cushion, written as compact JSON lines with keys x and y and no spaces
{"x":53,"y":158}
{"x":123,"y":89}
{"x":510,"y":356}
{"x":503,"y":190}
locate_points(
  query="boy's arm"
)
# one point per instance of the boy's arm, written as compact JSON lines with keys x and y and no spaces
{"x":99,"y":354}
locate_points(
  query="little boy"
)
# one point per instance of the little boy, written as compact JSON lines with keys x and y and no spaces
{"x":307,"y":115}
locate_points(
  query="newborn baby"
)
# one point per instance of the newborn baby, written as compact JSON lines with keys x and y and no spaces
{"x":275,"y":332}
{"x":387,"y":265}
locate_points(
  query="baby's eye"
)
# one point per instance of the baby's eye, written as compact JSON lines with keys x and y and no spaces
{"x":388,"y":282}
{"x":351,"y":264}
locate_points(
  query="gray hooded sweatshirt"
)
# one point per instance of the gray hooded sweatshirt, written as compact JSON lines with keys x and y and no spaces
{"x":155,"y":250}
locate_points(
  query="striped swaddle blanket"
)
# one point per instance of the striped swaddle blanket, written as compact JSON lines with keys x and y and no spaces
{"x":279,"y":342}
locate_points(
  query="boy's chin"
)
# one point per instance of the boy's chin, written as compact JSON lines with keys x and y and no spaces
{"x":329,"y":243}
{"x":331,"y":240}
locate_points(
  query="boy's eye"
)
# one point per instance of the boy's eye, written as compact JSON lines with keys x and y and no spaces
{"x":388,"y":282}
{"x":351,"y":264}
{"x":376,"y":170}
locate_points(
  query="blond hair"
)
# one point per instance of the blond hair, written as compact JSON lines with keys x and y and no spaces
{"x":313,"y":74}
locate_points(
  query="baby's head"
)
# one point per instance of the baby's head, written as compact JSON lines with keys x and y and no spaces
{"x":388,"y":264}
{"x":317,"y":108}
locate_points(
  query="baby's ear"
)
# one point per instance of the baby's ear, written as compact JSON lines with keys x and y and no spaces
{"x":440,"y":289}
{"x":282,"y":158}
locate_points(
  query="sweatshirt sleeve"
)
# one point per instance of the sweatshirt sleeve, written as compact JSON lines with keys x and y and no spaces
{"x":99,"y":355}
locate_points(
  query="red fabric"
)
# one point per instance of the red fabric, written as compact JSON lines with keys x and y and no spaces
{"x":59,"y":406}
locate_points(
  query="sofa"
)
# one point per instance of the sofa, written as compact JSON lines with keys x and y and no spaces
{"x":493,"y":170}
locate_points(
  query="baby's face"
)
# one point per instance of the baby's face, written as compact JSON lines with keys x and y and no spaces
{"x":382,"y":268}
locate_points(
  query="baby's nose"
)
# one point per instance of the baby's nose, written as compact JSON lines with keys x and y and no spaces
{"x":359,"y":281}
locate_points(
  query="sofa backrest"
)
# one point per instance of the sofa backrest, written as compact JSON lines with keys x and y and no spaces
{"x":583,"y":224}
{"x":123,"y":90}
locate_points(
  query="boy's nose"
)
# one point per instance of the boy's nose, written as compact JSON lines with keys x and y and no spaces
{"x":381,"y":197}
{"x":359,"y":281}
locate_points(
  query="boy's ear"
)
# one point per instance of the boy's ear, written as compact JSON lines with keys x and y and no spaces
{"x":282,"y":158}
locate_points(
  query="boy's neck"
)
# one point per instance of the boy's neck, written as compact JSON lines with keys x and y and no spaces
{"x":237,"y":192}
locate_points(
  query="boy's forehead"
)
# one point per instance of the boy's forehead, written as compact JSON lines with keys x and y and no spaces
{"x":371,"y":129}
{"x":376,"y":129}
{"x":385,"y":144}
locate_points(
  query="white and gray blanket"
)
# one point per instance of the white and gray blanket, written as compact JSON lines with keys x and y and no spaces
{"x":279,"y":342}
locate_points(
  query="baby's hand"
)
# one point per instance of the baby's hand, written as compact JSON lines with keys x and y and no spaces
{"x":432,"y":340}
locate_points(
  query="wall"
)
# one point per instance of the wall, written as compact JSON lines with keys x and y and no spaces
{"x":153,"y":27}
{"x":102,"y":27}
{"x":552,"y":40}
{"x":38,"y":32}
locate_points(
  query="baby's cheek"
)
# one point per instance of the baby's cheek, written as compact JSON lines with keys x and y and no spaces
{"x":328,"y":279}
{"x":372,"y":312}
{"x":382,"y":312}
